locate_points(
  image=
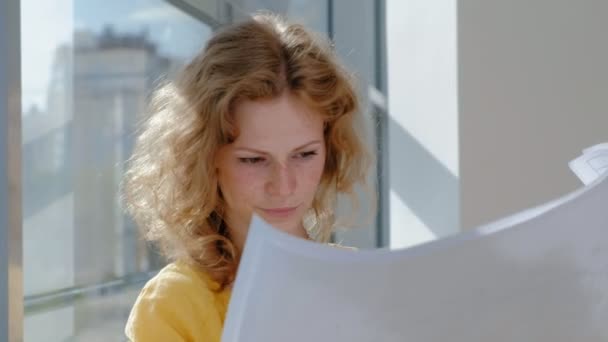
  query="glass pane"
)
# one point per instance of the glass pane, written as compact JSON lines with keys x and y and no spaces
{"x":88,"y":67}
{"x":312,"y":13}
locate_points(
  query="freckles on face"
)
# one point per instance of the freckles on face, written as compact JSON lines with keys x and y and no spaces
{"x":274,"y":166}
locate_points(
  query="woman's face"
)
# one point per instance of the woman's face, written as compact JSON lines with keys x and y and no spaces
{"x":274,"y":166}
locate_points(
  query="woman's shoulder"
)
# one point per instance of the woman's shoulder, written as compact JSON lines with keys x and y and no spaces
{"x":172,"y":305}
{"x":180,"y":280}
{"x":180,"y":275}
{"x":176,"y":279}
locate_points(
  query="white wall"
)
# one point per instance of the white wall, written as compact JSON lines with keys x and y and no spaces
{"x":488,"y":101}
{"x":423,"y":125}
{"x":533,"y":92}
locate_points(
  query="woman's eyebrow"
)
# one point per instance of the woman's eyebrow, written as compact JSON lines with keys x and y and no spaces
{"x":307,"y":145}
{"x":263,"y":152}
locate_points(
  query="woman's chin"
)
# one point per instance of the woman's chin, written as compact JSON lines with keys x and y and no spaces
{"x":284,"y":224}
{"x":290,"y":226}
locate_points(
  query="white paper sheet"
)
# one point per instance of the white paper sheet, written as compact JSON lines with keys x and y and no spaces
{"x":540,"y":275}
{"x":593,"y":163}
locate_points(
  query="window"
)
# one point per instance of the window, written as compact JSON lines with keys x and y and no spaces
{"x":88,"y":67}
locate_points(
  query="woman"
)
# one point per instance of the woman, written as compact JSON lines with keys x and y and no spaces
{"x":262,"y":121}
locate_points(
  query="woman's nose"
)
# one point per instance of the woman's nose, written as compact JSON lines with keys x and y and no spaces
{"x":282,"y":181}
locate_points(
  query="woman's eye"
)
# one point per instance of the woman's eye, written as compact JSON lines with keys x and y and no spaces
{"x":251,"y":160}
{"x":306,"y":155}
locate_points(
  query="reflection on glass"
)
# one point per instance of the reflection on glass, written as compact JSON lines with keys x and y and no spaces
{"x":88,"y":67}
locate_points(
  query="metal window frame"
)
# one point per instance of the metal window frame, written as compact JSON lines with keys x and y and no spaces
{"x":383,"y":216}
{"x":11,"y":262}
{"x":211,"y":19}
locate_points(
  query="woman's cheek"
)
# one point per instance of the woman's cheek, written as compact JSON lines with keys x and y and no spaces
{"x":249,"y":180}
{"x":311,"y":174}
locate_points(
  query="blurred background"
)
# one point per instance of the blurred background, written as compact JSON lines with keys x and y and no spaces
{"x":473,"y":107}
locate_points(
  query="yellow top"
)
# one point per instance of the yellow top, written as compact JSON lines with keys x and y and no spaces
{"x":178,"y":305}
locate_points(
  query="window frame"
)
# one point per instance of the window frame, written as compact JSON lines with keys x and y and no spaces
{"x":11,"y":244}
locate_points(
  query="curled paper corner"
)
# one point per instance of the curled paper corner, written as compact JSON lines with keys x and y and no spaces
{"x":591,"y":164}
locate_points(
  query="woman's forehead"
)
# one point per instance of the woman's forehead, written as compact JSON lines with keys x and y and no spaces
{"x":284,"y":118}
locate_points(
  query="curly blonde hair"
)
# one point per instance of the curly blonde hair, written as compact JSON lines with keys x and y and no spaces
{"x":171,"y":187}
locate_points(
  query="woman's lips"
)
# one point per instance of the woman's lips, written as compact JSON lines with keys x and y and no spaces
{"x":280,"y":212}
